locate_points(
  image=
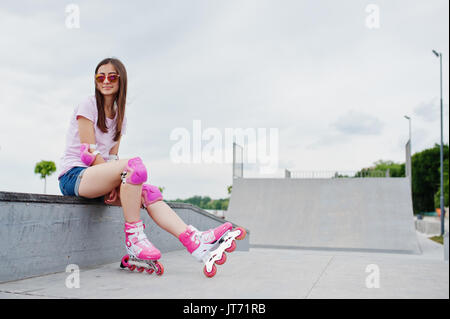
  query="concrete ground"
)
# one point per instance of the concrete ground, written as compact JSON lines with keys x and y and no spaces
{"x":259,"y":274}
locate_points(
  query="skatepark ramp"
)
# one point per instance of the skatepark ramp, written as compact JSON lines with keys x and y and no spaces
{"x":356,"y":214}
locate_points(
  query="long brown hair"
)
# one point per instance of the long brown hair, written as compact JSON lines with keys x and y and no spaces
{"x":120,"y":98}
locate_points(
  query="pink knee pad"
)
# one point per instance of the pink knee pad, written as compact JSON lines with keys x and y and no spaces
{"x":151,"y":194}
{"x":137,"y":173}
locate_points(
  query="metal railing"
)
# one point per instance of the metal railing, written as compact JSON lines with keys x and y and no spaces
{"x":336,"y":174}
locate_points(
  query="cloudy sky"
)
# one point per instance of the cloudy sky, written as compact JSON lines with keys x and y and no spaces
{"x":333,"y":78}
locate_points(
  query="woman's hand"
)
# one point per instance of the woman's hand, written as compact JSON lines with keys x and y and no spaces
{"x":113,"y":197}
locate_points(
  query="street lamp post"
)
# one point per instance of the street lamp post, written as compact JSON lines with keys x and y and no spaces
{"x":409,"y":119}
{"x":439,"y":55}
{"x":409,"y":160}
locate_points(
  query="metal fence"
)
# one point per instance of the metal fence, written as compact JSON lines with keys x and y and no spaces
{"x":335,"y":174}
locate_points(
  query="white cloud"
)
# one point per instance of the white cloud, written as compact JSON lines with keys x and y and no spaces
{"x":428,"y":111}
{"x":358,"y":123}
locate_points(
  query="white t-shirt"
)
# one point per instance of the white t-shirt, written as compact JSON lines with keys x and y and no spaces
{"x":104,"y":141}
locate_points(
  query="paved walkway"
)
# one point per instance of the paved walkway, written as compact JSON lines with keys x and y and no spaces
{"x":260,"y":273}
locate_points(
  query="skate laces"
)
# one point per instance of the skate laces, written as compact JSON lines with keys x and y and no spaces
{"x":197,"y":236}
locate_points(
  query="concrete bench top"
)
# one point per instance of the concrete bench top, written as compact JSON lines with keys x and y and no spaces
{"x":59,"y":199}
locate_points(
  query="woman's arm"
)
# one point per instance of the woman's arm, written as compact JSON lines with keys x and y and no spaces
{"x":87,"y":135}
{"x":113,"y":198}
{"x":115,"y":149}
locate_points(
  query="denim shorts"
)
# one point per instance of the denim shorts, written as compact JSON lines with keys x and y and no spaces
{"x":70,"y":181}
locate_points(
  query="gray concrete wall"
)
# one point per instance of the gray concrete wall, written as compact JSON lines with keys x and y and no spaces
{"x":42,"y":234}
{"x":356,"y":214}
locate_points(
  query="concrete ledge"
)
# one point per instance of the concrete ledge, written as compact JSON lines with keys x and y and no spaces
{"x":42,"y":234}
{"x":430,"y":225}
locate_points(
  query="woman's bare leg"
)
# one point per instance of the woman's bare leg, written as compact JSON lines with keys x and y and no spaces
{"x":101,"y":179}
{"x":166,"y":218}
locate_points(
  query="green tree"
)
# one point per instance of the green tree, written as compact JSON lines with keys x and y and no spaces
{"x":206,"y":202}
{"x":395,"y":169}
{"x":425,"y":178}
{"x":380,"y":169}
{"x":437,"y":196}
{"x":45,"y":168}
{"x":225,"y":203}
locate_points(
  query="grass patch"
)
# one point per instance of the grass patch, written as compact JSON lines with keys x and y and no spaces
{"x":438,"y":239}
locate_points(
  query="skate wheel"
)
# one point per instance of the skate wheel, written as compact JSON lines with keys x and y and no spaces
{"x":141,"y":269}
{"x":211,"y":273}
{"x":124,"y":261}
{"x":132,"y":267}
{"x":159,"y":268}
{"x":222,"y":260}
{"x":231,"y":248}
{"x":243,"y":233}
{"x":149,"y":271}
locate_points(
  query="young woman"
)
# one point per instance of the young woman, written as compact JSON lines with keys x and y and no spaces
{"x":90,"y":167}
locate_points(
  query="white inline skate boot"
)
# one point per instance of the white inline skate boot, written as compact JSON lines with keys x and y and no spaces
{"x":210,"y":246}
{"x":141,"y":252}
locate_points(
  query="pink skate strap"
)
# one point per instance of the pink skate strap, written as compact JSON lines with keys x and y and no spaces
{"x":136,"y":227}
{"x":187,"y":239}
